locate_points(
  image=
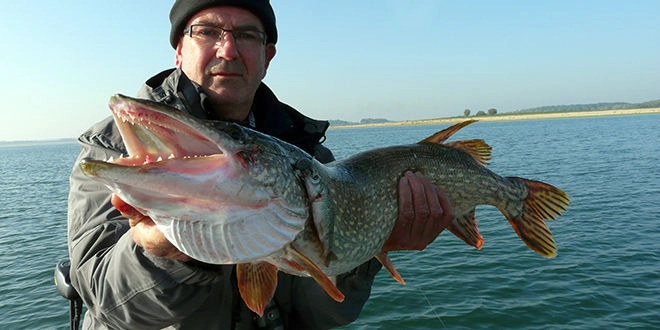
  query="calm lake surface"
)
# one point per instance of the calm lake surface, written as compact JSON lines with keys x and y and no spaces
{"x":606,"y":275}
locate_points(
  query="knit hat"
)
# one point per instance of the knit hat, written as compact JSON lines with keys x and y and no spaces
{"x":183,"y":10}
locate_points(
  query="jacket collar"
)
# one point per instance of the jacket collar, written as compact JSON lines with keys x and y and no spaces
{"x":272,"y":117}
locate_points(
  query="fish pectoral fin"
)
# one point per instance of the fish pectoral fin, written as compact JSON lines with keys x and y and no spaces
{"x":389,"y":266}
{"x":442,"y":136}
{"x":543,"y":202}
{"x":256,"y":283}
{"x":299,"y":261}
{"x":477,"y":149}
{"x":466,"y":228}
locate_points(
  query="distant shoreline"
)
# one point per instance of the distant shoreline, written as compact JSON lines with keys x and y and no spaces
{"x":510,"y":117}
{"x":451,"y":120}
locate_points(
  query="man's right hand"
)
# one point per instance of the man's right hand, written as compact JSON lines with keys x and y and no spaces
{"x":145,"y":233}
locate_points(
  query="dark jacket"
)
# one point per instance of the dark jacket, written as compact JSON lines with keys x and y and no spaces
{"x":125,"y":287}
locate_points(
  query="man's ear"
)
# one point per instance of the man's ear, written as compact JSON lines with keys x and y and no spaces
{"x":178,"y":60}
{"x":270,"y":53}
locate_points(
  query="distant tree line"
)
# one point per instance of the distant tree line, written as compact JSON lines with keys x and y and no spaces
{"x":552,"y":108}
{"x":491,"y":112}
{"x":373,"y":121}
{"x":574,"y":107}
{"x":593,"y":106}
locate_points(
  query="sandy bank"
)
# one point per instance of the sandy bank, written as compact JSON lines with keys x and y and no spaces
{"x":509,"y":117}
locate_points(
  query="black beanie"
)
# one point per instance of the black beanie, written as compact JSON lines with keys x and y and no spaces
{"x":183,"y":10}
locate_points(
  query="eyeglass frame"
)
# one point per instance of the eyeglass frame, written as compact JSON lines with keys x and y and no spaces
{"x":262,"y":35}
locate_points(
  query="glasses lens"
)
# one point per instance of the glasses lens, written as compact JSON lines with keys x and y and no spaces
{"x":213,"y":34}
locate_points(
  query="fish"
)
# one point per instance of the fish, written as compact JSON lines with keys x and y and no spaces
{"x":223,"y":193}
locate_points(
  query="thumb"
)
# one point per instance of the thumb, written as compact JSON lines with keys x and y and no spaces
{"x":126,"y":210}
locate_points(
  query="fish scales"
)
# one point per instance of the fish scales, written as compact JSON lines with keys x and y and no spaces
{"x":363,"y":191}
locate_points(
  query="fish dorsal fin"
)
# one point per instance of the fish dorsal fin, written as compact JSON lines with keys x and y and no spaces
{"x":299,"y":261}
{"x":256,"y":283}
{"x":442,"y":136}
{"x":478,"y":149}
{"x":389,"y":266}
{"x":466,"y":229}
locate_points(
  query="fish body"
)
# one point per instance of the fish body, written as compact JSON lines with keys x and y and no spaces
{"x":226,"y":194}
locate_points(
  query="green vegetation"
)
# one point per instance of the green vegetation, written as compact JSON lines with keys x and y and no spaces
{"x":545,"y":109}
{"x":592,"y":107}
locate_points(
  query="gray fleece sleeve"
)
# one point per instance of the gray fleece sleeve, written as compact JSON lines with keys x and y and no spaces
{"x":122,"y":285}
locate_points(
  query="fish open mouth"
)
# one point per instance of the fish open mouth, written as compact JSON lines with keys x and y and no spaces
{"x":195,"y":179}
{"x":155,"y":133}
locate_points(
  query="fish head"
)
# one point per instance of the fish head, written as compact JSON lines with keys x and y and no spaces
{"x":220,"y":192}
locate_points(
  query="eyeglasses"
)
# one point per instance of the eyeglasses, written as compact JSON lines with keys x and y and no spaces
{"x":210,"y":35}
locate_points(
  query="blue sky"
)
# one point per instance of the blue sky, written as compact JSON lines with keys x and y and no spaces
{"x":340,"y":59}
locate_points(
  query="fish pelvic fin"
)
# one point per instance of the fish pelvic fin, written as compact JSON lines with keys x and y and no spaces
{"x":299,"y":261}
{"x":466,"y":228}
{"x":543,"y":202}
{"x":442,"y":136}
{"x":389,"y":266}
{"x":477,"y":149}
{"x":256,"y":283}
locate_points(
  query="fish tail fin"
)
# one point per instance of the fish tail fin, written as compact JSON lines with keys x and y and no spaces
{"x":466,"y":229}
{"x":256,"y":283}
{"x":389,"y":266}
{"x":543,"y":202}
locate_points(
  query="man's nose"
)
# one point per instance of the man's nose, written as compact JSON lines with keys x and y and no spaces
{"x":227,"y":48}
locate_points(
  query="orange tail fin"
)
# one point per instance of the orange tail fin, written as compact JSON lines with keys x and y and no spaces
{"x":543,"y":202}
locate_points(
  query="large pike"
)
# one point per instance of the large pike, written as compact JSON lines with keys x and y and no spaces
{"x":226,"y":194}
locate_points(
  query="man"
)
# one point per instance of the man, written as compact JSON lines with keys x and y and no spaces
{"x":131,"y":277}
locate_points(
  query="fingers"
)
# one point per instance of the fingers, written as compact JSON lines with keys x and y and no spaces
{"x":422,"y":209}
{"x":134,"y":216}
{"x":406,"y":210}
{"x":435,"y":208}
{"x":424,"y":212}
{"x":146,"y":234}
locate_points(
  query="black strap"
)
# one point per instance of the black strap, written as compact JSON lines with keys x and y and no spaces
{"x":75,"y":312}
{"x":64,"y":287}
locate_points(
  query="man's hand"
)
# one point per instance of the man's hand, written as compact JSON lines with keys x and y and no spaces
{"x":145,"y":233}
{"x":424,"y":212}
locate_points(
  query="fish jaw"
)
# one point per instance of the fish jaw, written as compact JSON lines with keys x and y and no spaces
{"x":181,"y":179}
{"x":198,"y":182}
{"x":152,"y":131}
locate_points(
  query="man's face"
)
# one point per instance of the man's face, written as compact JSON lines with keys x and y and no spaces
{"x":228,"y":71}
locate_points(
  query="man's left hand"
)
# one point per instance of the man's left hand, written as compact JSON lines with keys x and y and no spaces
{"x":424,"y":212}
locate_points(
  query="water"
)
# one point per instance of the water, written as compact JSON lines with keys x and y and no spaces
{"x":33,"y":191}
{"x":607,"y":273}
